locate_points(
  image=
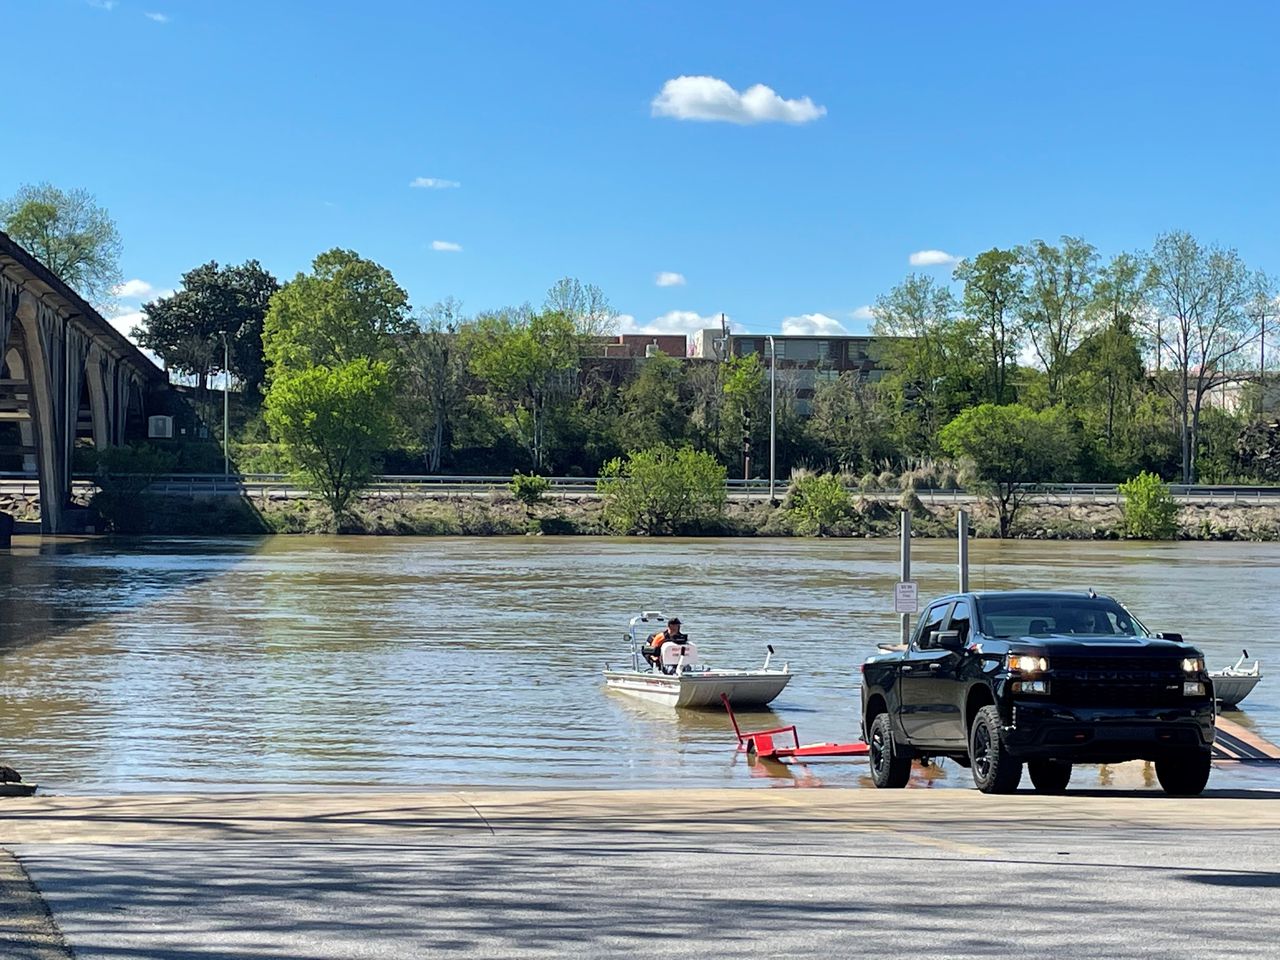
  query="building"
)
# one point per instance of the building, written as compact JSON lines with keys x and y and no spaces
{"x":637,"y":345}
{"x":806,"y":359}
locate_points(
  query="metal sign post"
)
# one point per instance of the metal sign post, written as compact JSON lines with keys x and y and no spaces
{"x":962,"y":559}
{"x":905,"y":573}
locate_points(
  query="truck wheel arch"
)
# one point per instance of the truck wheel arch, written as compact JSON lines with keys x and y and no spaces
{"x":876,"y":705}
{"x":979,"y":696}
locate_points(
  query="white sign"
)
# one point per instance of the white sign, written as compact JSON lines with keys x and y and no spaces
{"x":906,"y":599}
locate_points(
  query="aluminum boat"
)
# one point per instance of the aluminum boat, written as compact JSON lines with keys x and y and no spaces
{"x":1232,"y":684}
{"x":681,"y":679}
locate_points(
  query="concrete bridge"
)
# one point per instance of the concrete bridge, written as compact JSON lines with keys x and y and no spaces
{"x":67,"y":377}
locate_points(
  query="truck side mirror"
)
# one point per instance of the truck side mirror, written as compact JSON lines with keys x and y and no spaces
{"x":1175,"y":637}
{"x":948,"y":640}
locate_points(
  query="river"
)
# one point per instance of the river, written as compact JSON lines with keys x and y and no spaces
{"x":301,"y":662}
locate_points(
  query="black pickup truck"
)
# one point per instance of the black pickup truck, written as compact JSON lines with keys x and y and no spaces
{"x":994,"y":680}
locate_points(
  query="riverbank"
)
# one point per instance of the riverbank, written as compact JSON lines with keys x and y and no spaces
{"x":499,"y":514}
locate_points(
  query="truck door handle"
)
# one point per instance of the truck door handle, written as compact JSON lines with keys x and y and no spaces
{"x":907,"y":669}
{"x":934,"y":666}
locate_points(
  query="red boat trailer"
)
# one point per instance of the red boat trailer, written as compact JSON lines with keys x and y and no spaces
{"x":760,"y":743}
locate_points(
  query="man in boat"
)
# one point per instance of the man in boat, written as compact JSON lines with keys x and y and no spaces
{"x":671,"y":634}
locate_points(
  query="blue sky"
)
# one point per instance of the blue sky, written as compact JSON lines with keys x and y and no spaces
{"x":274,"y":129}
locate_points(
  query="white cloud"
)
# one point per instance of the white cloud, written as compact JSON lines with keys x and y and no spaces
{"x":674,"y":321}
{"x":865,"y":313}
{"x":445,"y":246}
{"x":710,"y":98}
{"x":107,"y":5}
{"x":932,"y":258}
{"x":668,"y":279}
{"x":157,"y":17}
{"x":133,"y":290}
{"x":433,"y":183}
{"x":125,"y":322}
{"x":812,"y":324}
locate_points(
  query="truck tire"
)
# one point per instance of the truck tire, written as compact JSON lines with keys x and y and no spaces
{"x":994,"y":770}
{"x":1049,"y":776}
{"x":1185,"y":774}
{"x":889,"y":767}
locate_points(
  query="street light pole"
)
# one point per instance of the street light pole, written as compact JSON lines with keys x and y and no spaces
{"x":226,"y":404}
{"x":773,"y":394}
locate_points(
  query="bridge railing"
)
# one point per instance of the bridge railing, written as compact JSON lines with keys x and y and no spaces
{"x":414,"y":484}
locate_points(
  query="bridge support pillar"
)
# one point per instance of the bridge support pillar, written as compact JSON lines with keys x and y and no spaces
{"x":41,"y":328}
{"x":94,"y":370}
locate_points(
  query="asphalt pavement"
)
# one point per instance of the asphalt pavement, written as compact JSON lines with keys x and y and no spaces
{"x":690,"y":873}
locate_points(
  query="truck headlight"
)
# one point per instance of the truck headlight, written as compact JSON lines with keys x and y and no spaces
{"x":1193,"y":665}
{"x":1027,"y":663}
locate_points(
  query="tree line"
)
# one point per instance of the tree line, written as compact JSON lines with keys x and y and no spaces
{"x":1037,"y":363}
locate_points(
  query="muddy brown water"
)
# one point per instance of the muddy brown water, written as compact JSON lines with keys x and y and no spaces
{"x":299,"y":663}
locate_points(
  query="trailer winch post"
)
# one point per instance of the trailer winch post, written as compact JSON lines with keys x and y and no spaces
{"x":962,"y":557}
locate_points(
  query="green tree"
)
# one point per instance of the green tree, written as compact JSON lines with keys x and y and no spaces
{"x":434,"y":359}
{"x":745,"y":410}
{"x":654,"y":409}
{"x":850,"y":423}
{"x":817,"y":502}
{"x":585,"y":305}
{"x":69,"y":233}
{"x":345,"y":309}
{"x":1150,"y":512}
{"x":930,"y":354}
{"x":663,"y":490}
{"x":334,"y":422}
{"x":993,"y":289}
{"x":184,"y":329}
{"x":1199,"y":322}
{"x":1055,"y":304}
{"x":529,"y":367}
{"x":1011,"y":448}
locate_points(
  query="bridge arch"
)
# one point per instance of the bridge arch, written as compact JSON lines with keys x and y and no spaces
{"x":65,"y":351}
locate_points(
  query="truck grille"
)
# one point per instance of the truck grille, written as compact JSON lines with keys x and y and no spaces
{"x":1116,"y":681}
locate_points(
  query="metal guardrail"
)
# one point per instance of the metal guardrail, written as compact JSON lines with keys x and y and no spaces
{"x":213,"y":483}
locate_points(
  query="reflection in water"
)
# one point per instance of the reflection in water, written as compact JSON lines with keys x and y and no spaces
{"x":293,"y":661}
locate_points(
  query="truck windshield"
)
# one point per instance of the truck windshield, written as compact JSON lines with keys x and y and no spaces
{"x":1031,"y":616}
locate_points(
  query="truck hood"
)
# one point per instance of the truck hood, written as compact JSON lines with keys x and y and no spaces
{"x":1106,"y":643}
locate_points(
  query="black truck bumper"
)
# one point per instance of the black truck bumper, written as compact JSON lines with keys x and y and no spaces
{"x":1040,"y":729}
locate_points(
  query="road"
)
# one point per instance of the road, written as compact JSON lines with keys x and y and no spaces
{"x":691,"y":873}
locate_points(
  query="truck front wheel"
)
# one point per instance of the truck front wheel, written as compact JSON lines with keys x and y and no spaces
{"x":994,"y":770}
{"x":1186,"y":774}
{"x":889,"y":768}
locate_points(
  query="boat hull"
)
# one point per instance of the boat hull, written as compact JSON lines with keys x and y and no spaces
{"x":700,"y":691}
{"x":1229,"y":691}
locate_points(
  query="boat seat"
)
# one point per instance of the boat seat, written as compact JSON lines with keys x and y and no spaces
{"x":671,"y":653}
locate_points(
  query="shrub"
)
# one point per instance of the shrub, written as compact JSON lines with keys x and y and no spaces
{"x":663,"y":490}
{"x":818,"y":503}
{"x":1150,"y":512}
{"x":122,"y":475}
{"x":530,"y":489}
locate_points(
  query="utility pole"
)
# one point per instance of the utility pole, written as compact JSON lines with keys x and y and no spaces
{"x":226,"y":403}
{"x":773,"y":397}
{"x":746,"y":444}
